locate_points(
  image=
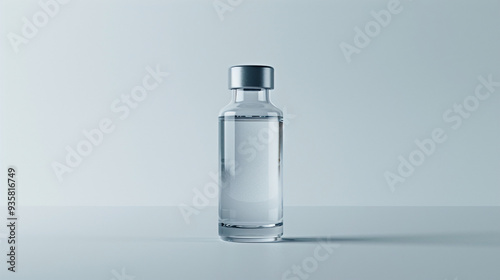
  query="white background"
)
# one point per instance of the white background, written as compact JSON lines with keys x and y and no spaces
{"x":347,"y":122}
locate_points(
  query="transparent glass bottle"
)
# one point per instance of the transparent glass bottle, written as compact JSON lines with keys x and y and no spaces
{"x":250,"y":159}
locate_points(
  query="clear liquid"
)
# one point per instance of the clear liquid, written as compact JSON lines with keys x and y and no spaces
{"x":250,"y":196}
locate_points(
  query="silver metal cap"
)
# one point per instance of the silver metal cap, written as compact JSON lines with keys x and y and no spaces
{"x":251,"y":76}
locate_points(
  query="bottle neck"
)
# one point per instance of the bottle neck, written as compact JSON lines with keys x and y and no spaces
{"x":250,"y":95}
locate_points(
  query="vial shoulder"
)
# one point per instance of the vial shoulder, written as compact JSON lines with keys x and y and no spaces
{"x":266,"y":109}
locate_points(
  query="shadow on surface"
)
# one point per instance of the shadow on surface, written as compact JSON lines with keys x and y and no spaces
{"x":483,"y":239}
{"x":491,"y":239}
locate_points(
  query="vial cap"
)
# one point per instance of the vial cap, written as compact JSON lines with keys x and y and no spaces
{"x":251,"y":76}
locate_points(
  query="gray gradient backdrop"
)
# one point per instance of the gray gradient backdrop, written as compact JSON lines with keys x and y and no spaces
{"x":347,"y":121}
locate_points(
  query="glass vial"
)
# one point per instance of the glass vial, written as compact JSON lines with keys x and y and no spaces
{"x":250,"y":159}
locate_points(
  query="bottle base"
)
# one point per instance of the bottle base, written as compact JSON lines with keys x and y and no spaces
{"x":250,"y":240}
{"x":251,"y":234}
